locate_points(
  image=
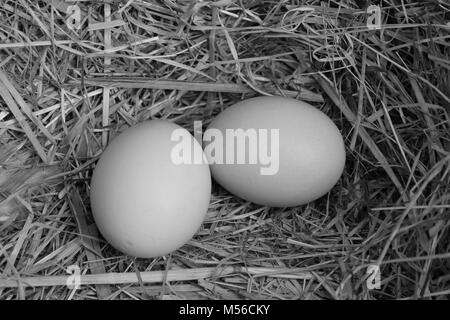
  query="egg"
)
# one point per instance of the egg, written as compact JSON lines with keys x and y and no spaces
{"x":145,"y":202}
{"x":275,"y":151}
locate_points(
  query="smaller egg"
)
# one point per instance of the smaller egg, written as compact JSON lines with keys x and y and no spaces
{"x":144,"y":203}
{"x":275,"y":151}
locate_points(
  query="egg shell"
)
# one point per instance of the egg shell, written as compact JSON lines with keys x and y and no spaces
{"x":143,"y":203}
{"x":311,"y":152}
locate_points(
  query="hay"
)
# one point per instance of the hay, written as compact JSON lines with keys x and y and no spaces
{"x":65,"y":93}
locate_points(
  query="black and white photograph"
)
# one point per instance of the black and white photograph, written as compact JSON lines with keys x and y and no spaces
{"x":225,"y":156}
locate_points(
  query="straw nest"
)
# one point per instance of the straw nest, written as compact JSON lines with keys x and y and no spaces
{"x":65,"y":93}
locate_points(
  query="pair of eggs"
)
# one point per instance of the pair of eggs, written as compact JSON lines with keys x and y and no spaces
{"x":151,"y":188}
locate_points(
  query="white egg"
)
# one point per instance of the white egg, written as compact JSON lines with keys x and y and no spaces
{"x":298,"y":160}
{"x":144,"y":203}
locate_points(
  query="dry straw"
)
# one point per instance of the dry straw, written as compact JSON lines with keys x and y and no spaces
{"x":65,"y":93}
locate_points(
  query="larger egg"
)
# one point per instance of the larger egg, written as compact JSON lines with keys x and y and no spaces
{"x":275,"y":151}
{"x":145,"y":201}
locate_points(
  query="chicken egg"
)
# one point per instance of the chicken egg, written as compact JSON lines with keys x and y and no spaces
{"x":145,"y":203}
{"x":275,"y":151}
